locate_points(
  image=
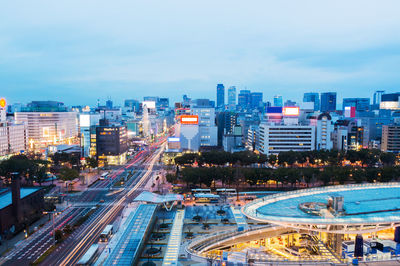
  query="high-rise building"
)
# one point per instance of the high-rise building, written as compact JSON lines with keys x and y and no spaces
{"x":220,"y":95}
{"x":256,"y":100}
{"x":207,"y":129}
{"x":361,"y":104}
{"x":390,"y":138}
{"x":324,"y":132}
{"x":111,"y":144}
{"x":328,"y":101}
{"x":377,"y":97}
{"x":133,"y":105}
{"x":232,"y":98}
{"x":274,"y":139}
{"x":278,"y":101}
{"x":244,"y":99}
{"x":312,"y":97}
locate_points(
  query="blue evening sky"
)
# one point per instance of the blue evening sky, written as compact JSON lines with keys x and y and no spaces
{"x":78,"y":51}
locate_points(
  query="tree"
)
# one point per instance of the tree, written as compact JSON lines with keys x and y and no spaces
{"x":171,"y":178}
{"x":68,"y":174}
{"x":388,"y":158}
{"x":272,"y":159}
{"x":92,"y":162}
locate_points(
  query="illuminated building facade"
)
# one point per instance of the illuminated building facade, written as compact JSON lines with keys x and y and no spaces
{"x":49,"y":128}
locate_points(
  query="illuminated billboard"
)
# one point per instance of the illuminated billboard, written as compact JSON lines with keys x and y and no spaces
{"x":3,"y":103}
{"x":174,"y":139}
{"x":189,"y":119}
{"x":349,"y":111}
{"x":291,"y":111}
{"x":149,"y":104}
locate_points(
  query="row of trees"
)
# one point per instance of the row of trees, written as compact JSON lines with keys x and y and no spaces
{"x":289,"y":177}
{"x":221,"y":158}
{"x":30,"y":169}
{"x":366,"y":158}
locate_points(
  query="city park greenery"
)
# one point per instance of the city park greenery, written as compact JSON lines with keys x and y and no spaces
{"x":288,"y":169}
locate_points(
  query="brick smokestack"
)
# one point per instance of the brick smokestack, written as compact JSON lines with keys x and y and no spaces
{"x":16,"y":196}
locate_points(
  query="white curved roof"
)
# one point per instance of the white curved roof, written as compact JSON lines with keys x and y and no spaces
{"x":156,"y":198}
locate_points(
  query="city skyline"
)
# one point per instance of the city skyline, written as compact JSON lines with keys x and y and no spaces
{"x":57,"y":53}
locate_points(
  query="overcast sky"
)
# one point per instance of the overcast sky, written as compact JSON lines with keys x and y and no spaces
{"x":81,"y":51}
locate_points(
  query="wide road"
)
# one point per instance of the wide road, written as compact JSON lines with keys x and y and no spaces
{"x":79,"y":244}
{"x":30,"y":249}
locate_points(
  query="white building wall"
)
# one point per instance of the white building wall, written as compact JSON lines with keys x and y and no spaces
{"x":277,"y":138}
{"x":324,"y":134}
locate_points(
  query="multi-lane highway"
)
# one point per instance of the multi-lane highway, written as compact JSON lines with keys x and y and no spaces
{"x":72,"y":248}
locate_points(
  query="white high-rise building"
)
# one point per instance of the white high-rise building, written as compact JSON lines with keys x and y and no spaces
{"x":277,"y":138}
{"x":324,"y":132}
{"x":207,"y":129}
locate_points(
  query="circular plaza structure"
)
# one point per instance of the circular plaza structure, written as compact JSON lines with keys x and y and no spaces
{"x":356,"y":209}
{"x":321,"y":226}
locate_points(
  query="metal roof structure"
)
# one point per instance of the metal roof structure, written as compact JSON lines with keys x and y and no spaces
{"x":129,"y":244}
{"x":367,"y":208}
{"x":174,"y":242}
{"x":156,"y":198}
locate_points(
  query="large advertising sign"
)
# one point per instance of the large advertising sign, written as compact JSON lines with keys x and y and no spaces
{"x":84,"y":120}
{"x":189,"y":119}
{"x":349,"y":111}
{"x":174,"y":139}
{"x":291,"y":111}
{"x":274,"y":110}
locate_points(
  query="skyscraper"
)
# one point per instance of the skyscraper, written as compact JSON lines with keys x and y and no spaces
{"x":256,"y":100}
{"x":328,"y":101}
{"x":244,"y":99}
{"x":312,"y":97}
{"x":220,"y":95}
{"x":232,"y":98}
{"x":278,"y":101}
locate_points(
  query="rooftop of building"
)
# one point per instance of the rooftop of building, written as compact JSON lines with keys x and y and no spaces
{"x":6,"y":196}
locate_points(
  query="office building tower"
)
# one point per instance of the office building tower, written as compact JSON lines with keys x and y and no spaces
{"x":244,"y":99}
{"x":207,"y":129}
{"x":312,"y":97}
{"x":133,"y":105}
{"x":256,"y":100}
{"x":328,"y":102}
{"x":278,"y":101}
{"x":232,"y":98}
{"x":390,"y":138}
{"x":109,"y":104}
{"x":274,"y":139}
{"x":360,"y":104}
{"x":377,"y":97}
{"x":13,"y":138}
{"x":111,"y":144}
{"x":220,"y":96}
{"x":324,"y":132}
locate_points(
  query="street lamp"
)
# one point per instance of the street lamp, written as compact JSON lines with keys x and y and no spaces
{"x":54,"y":233}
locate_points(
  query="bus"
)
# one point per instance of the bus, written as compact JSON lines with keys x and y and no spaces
{"x":107,"y":233}
{"x":90,"y":256}
{"x":201,"y":190}
{"x":206,"y":198}
{"x":226,"y":191}
{"x":103,"y":175}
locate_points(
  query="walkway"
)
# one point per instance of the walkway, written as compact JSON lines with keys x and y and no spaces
{"x":240,"y":219}
{"x":174,"y":242}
